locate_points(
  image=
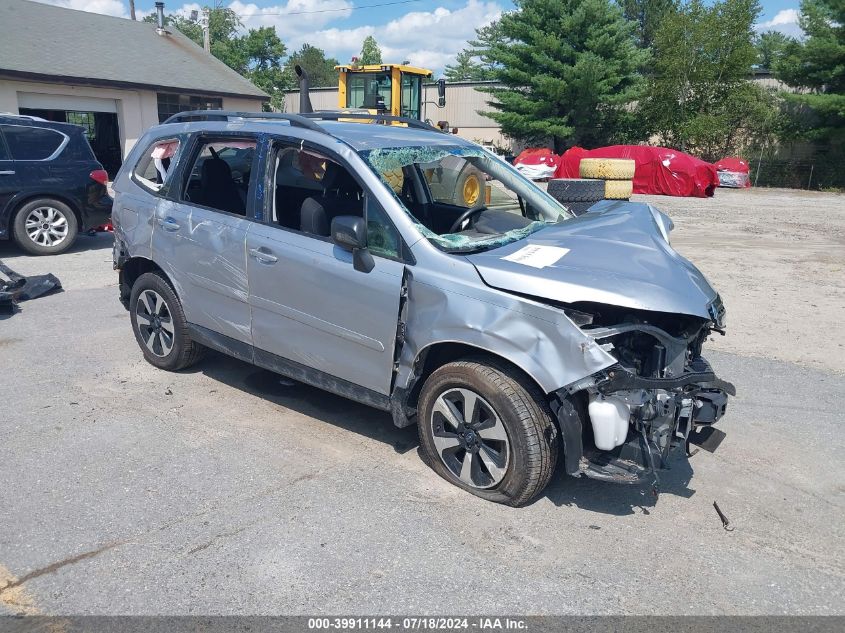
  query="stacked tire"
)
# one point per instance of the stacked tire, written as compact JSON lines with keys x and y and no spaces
{"x":617,"y":174}
{"x":601,"y":179}
{"x":576,"y":194}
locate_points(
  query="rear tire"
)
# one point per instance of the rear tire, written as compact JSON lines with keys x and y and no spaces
{"x":505,"y":449}
{"x":159,"y":324}
{"x":45,"y":226}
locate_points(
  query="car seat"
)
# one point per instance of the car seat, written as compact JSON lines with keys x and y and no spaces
{"x":217,"y":189}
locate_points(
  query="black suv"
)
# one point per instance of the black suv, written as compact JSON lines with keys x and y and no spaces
{"x":51,"y":185}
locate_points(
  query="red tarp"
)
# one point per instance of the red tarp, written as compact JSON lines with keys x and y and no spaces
{"x":733,"y":172}
{"x":732,"y":164}
{"x":537,"y":163}
{"x":537,"y":156}
{"x":658,"y":169}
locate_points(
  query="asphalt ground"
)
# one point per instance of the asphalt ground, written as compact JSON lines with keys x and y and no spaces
{"x":219,"y":490}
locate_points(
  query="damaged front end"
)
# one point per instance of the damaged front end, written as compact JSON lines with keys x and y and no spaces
{"x":621,"y":423}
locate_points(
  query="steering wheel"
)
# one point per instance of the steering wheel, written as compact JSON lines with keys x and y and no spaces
{"x":466,"y":215}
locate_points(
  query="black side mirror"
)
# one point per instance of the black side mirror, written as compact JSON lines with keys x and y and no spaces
{"x":441,"y":92}
{"x":350,"y":233}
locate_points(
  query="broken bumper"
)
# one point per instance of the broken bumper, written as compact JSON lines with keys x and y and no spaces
{"x":665,"y":413}
{"x":700,"y":375}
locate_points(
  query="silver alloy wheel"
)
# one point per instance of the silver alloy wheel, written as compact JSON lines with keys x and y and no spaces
{"x":155,"y":323}
{"x":470,"y":438}
{"x":46,"y":226}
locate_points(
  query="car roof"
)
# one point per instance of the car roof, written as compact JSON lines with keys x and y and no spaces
{"x":28,"y":121}
{"x":359,"y":135}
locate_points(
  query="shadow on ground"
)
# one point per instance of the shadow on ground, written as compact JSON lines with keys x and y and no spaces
{"x":563,"y":490}
{"x":9,"y":250}
{"x":621,"y":499}
{"x":310,"y":401}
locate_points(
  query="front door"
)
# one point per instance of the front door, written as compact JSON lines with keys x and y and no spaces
{"x":309,"y":304}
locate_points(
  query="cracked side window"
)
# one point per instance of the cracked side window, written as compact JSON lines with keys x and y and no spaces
{"x":154,"y":167}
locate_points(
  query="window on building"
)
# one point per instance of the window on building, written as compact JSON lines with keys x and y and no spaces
{"x":172,"y":103}
{"x":32,"y":143}
{"x":85,"y":119}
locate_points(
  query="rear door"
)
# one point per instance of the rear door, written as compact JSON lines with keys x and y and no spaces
{"x":200,"y":232}
{"x":32,"y":168}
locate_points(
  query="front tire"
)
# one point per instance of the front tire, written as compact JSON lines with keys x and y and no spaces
{"x":45,"y":227}
{"x":487,"y":429}
{"x":159,"y":324}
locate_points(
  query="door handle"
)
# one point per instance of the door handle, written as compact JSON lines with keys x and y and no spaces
{"x":169,"y":224}
{"x":263,"y":256}
{"x":7,"y":173}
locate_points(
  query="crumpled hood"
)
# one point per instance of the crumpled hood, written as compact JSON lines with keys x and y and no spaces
{"x":617,"y":255}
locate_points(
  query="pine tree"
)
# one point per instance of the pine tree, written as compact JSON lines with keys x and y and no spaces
{"x":647,"y":15}
{"x":818,"y":65}
{"x":465,"y":68}
{"x":370,"y":51}
{"x":567,"y":69}
{"x":771,"y":47}
{"x":320,"y":69}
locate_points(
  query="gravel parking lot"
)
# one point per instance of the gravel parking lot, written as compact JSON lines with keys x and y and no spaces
{"x":128,"y":490}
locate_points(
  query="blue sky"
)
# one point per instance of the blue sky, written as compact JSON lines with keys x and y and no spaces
{"x":427,"y":32}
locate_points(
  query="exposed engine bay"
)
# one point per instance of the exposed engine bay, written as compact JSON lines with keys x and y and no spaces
{"x":661,"y":395}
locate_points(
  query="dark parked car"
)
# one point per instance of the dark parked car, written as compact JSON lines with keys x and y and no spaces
{"x":51,"y":185}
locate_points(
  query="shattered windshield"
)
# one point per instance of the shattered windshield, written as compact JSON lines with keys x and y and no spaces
{"x":464,"y":198}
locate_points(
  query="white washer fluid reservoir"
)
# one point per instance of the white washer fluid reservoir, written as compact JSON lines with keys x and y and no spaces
{"x":609,"y":417}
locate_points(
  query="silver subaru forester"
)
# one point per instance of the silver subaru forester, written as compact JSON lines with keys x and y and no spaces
{"x":383,"y":260}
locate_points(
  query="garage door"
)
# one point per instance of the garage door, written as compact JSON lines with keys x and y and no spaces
{"x":40,"y":101}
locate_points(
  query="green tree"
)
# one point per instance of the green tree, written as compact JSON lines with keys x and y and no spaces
{"x":567,"y":70}
{"x":258,"y":54}
{"x":699,"y":97}
{"x":321,"y":70}
{"x":817,"y":65}
{"x":771,"y":47}
{"x":486,"y":38}
{"x":466,"y":68}
{"x":647,"y":15}
{"x":370,"y":51}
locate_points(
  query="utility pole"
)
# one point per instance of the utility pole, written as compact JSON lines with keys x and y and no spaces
{"x":132,"y":9}
{"x":206,"y":37}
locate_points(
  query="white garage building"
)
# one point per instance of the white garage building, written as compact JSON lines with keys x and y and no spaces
{"x":116,"y":77}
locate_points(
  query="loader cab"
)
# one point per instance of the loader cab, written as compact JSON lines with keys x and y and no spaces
{"x":394,"y":89}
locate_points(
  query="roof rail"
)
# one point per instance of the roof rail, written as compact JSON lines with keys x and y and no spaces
{"x":334,"y":115}
{"x":296,"y":120}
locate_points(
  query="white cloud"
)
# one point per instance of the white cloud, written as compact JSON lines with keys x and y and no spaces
{"x":106,"y":7}
{"x":425,"y":38}
{"x":785,"y":21}
{"x":293,"y":19}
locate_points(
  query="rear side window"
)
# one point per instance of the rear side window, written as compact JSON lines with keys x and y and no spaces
{"x":32,"y":143}
{"x":220,"y":176}
{"x":154,"y":167}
